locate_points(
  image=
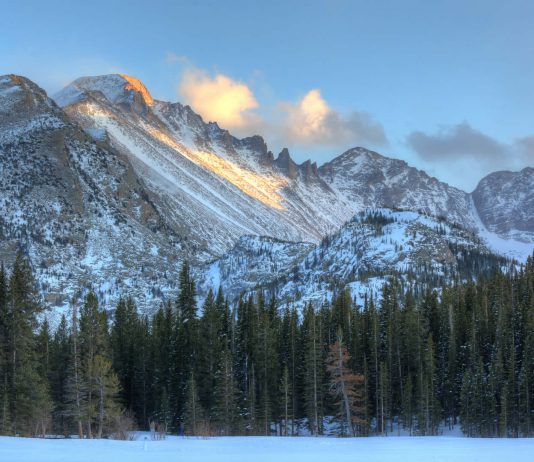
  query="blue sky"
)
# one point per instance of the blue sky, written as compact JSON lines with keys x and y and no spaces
{"x":447,"y":86}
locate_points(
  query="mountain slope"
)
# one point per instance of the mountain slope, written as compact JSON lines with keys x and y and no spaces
{"x":367,"y":251}
{"x":253,"y":261}
{"x":76,"y":208}
{"x":371,"y":180}
{"x":215,"y":187}
{"x":505,"y":204}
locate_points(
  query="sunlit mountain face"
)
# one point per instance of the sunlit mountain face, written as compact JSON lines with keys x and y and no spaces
{"x":233,"y":186}
{"x":135,"y":85}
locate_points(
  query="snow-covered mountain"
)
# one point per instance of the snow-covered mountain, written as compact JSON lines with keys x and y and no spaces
{"x":215,"y":187}
{"x":238,"y":186}
{"x":112,"y":186}
{"x":505,"y":204}
{"x":76,"y":207}
{"x":368,"y":179}
{"x":375,"y":245}
{"x":254,"y":261}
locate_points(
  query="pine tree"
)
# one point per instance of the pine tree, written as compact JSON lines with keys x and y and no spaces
{"x":526,"y":378}
{"x":75,"y":386}
{"x":409,"y":332}
{"x":43,"y":344}
{"x":347,"y":388}
{"x":27,"y":391}
{"x":209,"y":349}
{"x":429,"y":410}
{"x":185,"y":341}
{"x":313,"y":370}
{"x":60,"y":359}
{"x":144,"y":373}
{"x":285,"y":390}
{"x":225,"y":411}
{"x":126,"y":342}
{"x":105,"y":384}
{"x":94,"y":355}
{"x":194,"y":414}
{"x":5,"y":421}
{"x":165,"y":378}
{"x":266,"y":361}
{"x":246,"y":352}
{"x":44,"y":415}
{"x":289,"y":359}
{"x":376,"y":368}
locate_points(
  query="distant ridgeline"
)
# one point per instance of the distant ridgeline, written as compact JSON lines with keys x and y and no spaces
{"x":420,"y":251}
{"x":415,"y":363}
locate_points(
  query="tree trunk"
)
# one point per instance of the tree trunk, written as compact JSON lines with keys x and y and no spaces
{"x":315,"y":405}
{"x":76,"y":374}
{"x":346,"y":402}
{"x":101,"y":409}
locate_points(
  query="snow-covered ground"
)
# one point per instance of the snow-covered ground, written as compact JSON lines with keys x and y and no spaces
{"x":259,"y":449}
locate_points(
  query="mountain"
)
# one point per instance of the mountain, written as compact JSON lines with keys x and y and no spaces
{"x":500,"y":210}
{"x":254,"y":261}
{"x":505,"y":204}
{"x":114,"y":188}
{"x":205,"y":175}
{"x":421,"y":250}
{"x":74,"y":206}
{"x":214,"y":187}
{"x":368,"y":179}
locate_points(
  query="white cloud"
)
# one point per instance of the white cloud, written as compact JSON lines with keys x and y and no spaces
{"x":311,"y":121}
{"x":220,"y":99}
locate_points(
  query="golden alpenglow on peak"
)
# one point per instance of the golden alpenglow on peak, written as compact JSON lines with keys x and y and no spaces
{"x":136,"y":85}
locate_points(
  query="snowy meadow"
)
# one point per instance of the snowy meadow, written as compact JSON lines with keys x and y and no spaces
{"x":259,"y":449}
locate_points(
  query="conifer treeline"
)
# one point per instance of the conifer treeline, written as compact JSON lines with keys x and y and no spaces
{"x":463,"y":354}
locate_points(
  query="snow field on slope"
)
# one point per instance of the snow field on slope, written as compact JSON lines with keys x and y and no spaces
{"x":263,"y":449}
{"x":516,"y":249}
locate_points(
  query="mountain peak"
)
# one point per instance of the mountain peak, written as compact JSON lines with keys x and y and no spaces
{"x":134,"y":84}
{"x":359,"y":152}
{"x":19,"y":95}
{"x":116,"y":88}
{"x":11,"y":83}
{"x":284,"y":154}
{"x":12,"y":80}
{"x":285,"y":163}
{"x":505,"y":203}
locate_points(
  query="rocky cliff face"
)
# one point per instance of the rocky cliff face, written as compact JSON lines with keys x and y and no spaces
{"x":505,"y":204}
{"x":76,"y":207}
{"x":370,"y":180}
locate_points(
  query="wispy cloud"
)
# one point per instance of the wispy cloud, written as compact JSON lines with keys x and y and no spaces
{"x":463,"y":154}
{"x":526,"y":149}
{"x":457,"y":141}
{"x":311,"y":121}
{"x":172,"y":58}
